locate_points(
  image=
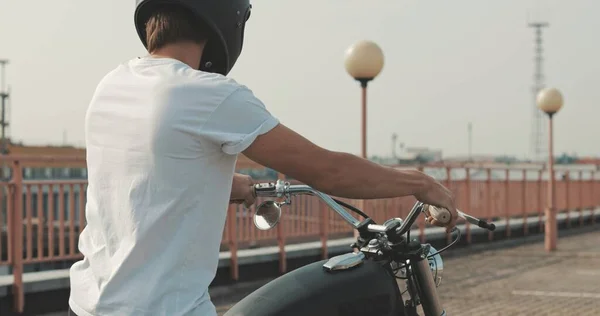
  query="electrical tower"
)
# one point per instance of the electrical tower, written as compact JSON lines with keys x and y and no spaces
{"x":470,"y":130}
{"x":539,"y":150}
{"x":394,"y":142}
{"x":4,"y":95}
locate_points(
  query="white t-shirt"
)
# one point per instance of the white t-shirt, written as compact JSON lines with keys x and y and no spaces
{"x":162,"y":142}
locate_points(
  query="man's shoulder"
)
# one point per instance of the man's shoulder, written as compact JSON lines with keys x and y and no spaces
{"x":210,"y":80}
{"x":213,"y":83}
{"x":177,"y":77}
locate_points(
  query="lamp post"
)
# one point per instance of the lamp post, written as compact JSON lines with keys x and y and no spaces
{"x":550,"y":101}
{"x":364,"y":61}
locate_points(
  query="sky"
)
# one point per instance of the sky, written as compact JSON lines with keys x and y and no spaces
{"x":447,"y":63}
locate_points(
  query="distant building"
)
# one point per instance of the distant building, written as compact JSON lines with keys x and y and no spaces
{"x":410,"y":156}
{"x":67,"y":162}
{"x":421,"y":154}
{"x":589,"y":161}
{"x":46,"y":150}
{"x":481,"y":159}
{"x":566,"y":159}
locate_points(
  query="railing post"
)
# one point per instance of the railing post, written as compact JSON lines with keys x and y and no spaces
{"x":468,"y":197}
{"x":488,"y":183}
{"x":421,"y":220}
{"x":507,"y":201}
{"x":567,"y":179}
{"x":281,"y":239}
{"x":17,"y":267}
{"x":524,"y":203}
{"x":593,"y":200}
{"x":448,"y":185}
{"x":233,"y":241}
{"x":540,"y":201}
{"x":10,"y":205}
{"x":361,"y":206}
{"x":323,"y":214}
{"x":580,"y":190}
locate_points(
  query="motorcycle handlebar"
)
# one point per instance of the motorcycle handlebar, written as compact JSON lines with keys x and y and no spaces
{"x":443,"y":216}
{"x":281,"y":189}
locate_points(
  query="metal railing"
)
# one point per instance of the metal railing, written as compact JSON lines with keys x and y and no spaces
{"x":41,"y":221}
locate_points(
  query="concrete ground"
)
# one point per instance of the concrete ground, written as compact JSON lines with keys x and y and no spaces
{"x":526,"y":280}
{"x":521,"y":280}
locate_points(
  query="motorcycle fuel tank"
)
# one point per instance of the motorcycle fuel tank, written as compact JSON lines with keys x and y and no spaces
{"x":364,"y":289}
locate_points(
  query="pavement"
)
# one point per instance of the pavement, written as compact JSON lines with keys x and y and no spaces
{"x":518,"y":280}
{"x":526,"y":280}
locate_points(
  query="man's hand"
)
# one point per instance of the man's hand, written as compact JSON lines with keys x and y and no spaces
{"x":437,"y":195}
{"x":242,"y":190}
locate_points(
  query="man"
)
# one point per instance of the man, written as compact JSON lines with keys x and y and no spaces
{"x":163,"y":133}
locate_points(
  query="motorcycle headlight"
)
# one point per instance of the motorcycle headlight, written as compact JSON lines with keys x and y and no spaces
{"x":437,"y":265}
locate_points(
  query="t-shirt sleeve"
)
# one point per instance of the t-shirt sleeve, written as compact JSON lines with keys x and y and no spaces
{"x":238,"y":121}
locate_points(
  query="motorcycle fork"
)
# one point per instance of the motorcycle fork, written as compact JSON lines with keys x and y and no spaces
{"x":411,"y":304}
{"x":422,"y":284}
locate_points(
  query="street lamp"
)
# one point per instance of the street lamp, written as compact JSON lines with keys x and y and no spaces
{"x":364,"y":61}
{"x":550,"y":101}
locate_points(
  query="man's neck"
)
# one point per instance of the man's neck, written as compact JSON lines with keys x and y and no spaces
{"x":188,"y":53}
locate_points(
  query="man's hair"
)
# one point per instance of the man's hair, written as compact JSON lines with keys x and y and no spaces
{"x":171,"y":24}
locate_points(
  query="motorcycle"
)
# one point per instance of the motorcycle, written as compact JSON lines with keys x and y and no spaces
{"x":362,"y":282}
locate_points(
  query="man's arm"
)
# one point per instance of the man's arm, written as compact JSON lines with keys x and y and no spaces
{"x":242,"y":124}
{"x":334,"y":173}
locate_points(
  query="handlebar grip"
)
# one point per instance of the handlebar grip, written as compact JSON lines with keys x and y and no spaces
{"x":441,"y":215}
{"x":489,"y":226}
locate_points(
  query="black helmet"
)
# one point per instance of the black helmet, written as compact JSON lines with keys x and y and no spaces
{"x":226,"y":18}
